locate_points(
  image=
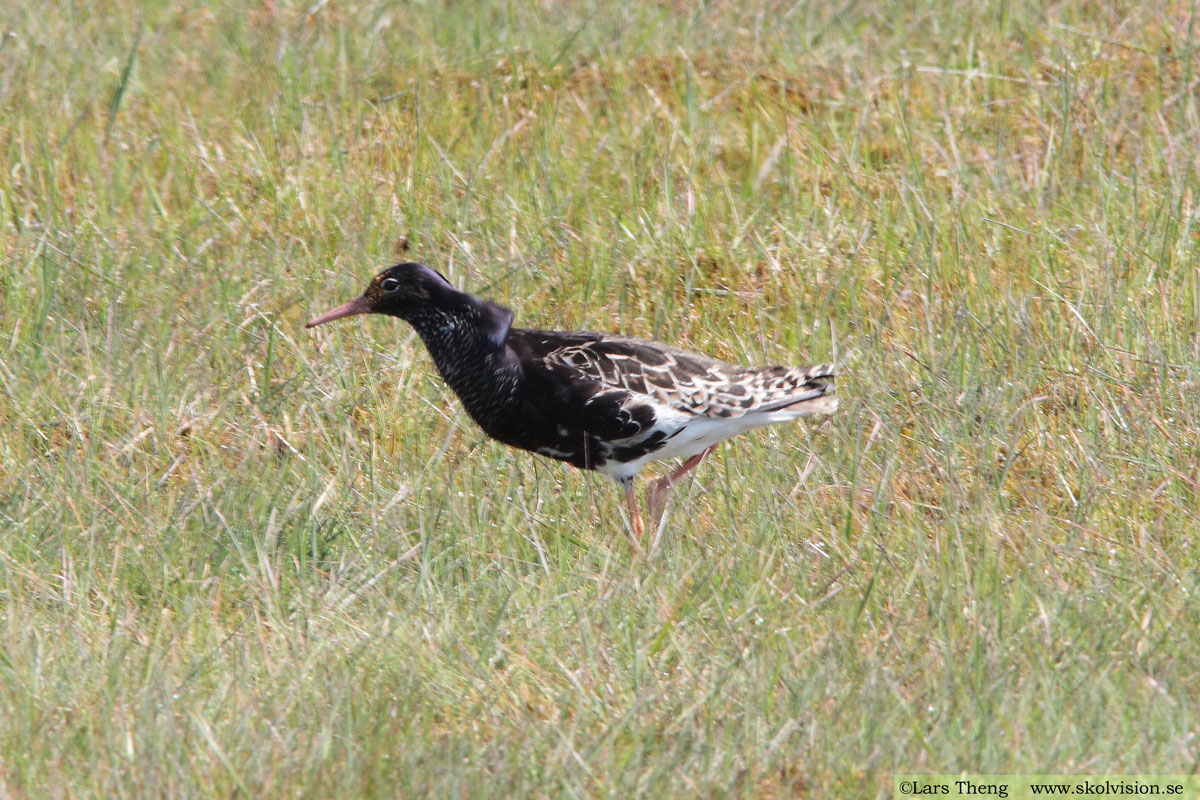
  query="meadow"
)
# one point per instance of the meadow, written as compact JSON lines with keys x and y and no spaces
{"x":239,"y":558}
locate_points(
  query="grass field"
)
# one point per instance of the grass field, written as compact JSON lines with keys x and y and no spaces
{"x":238,"y":558}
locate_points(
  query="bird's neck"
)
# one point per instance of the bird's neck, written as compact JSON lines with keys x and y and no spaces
{"x":466,"y":339}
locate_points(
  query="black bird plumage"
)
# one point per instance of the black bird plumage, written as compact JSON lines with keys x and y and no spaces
{"x":597,"y":401}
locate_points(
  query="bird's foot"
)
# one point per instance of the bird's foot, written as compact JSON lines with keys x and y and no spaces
{"x":639,"y":528}
{"x":635,"y":514}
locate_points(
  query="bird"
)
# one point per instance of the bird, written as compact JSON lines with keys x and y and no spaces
{"x":597,"y":401}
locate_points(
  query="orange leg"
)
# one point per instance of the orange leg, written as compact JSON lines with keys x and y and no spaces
{"x":657,"y":494}
{"x":635,"y":514}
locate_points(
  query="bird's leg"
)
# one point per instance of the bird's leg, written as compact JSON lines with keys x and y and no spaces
{"x":657,"y":494}
{"x":635,"y":514}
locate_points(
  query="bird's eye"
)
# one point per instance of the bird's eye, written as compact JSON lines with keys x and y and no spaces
{"x":389,"y":284}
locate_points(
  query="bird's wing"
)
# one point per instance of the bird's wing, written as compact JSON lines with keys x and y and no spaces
{"x":687,"y":382}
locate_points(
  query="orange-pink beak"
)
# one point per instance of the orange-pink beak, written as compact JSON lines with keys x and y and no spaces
{"x":358,"y":305}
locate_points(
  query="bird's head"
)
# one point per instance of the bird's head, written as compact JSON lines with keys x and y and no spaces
{"x":398,"y":291}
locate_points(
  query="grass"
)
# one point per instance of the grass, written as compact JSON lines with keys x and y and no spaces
{"x":241,"y":558}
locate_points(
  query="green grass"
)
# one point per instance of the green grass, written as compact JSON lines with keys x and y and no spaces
{"x":242,"y":558}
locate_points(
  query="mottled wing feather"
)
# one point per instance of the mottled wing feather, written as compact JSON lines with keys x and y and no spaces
{"x":773,"y":388}
{"x":592,"y":422}
{"x":687,"y":382}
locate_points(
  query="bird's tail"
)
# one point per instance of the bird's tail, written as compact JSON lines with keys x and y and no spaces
{"x":791,"y":392}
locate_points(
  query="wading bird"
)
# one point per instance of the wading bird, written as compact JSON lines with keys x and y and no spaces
{"x":595,"y":400}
